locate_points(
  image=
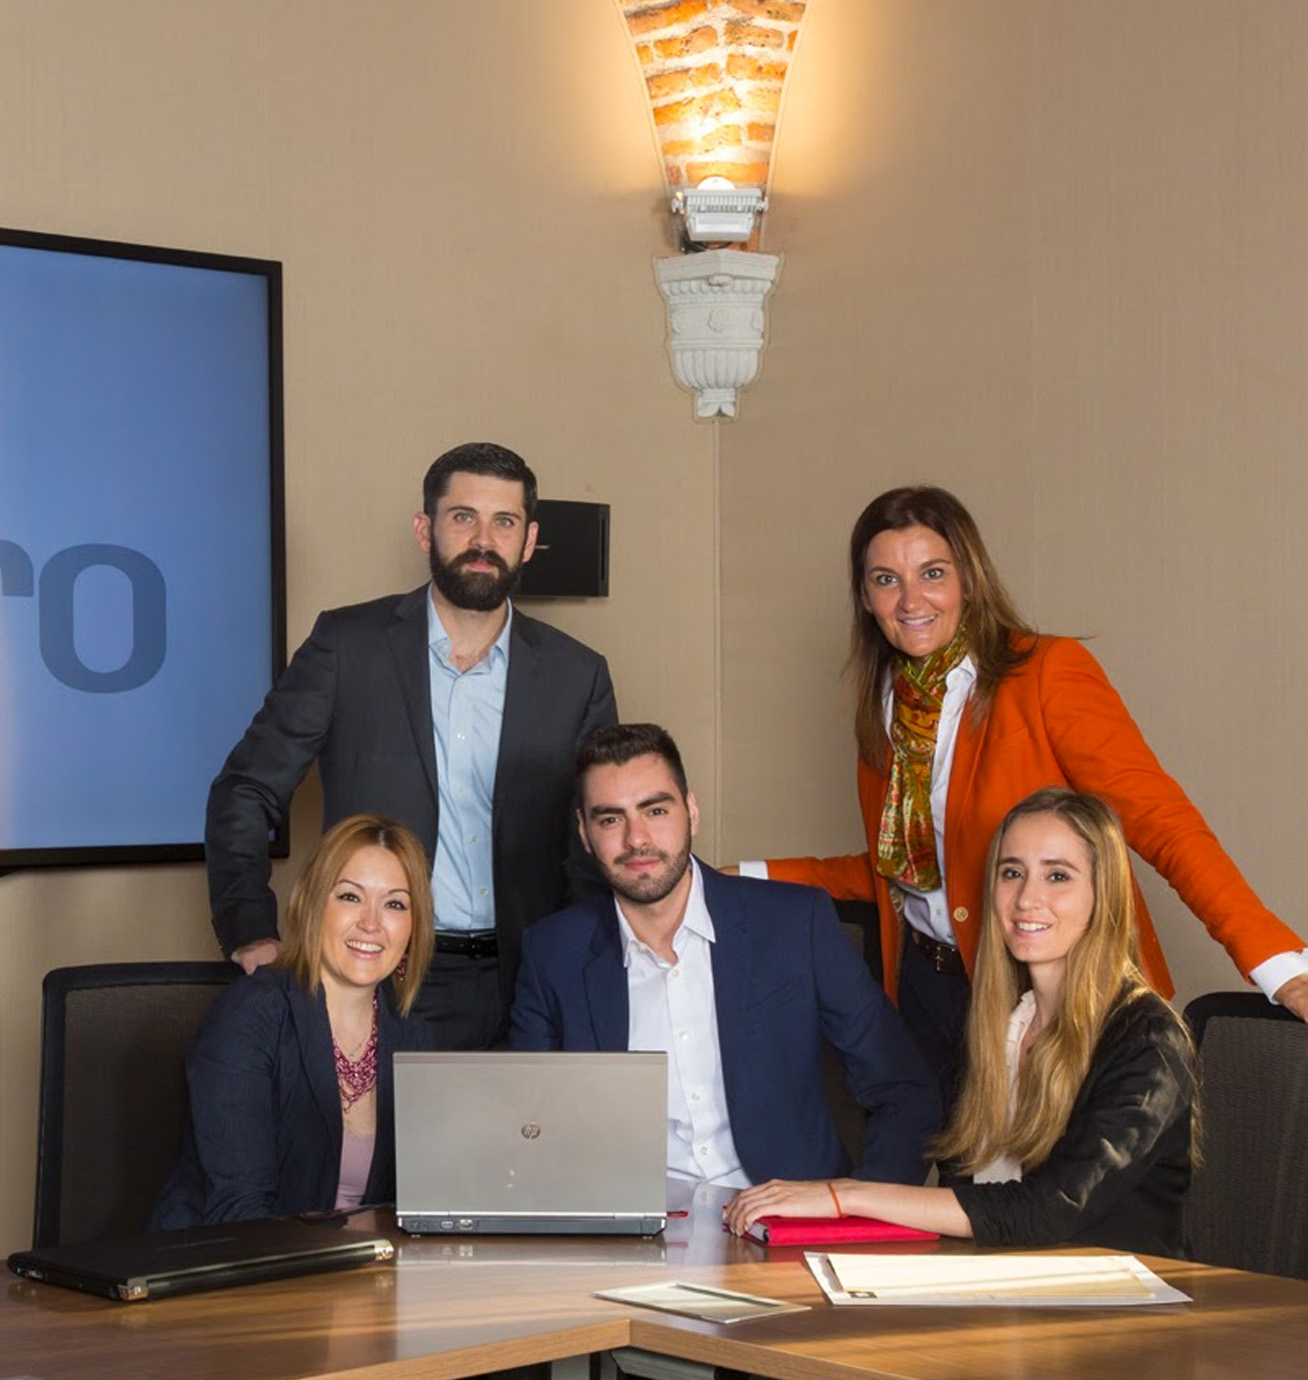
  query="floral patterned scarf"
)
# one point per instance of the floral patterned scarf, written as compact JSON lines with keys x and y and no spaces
{"x":906,"y":843}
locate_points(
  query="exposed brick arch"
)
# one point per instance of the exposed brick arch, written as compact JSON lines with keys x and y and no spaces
{"x":714,"y":70}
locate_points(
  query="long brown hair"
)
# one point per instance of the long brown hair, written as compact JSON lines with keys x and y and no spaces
{"x":998,"y":639}
{"x":302,"y":949}
{"x":1103,"y":974}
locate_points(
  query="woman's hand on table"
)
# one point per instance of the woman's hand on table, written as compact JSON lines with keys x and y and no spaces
{"x":781,"y":1198}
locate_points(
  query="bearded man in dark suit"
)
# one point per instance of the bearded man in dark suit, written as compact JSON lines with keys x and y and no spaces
{"x":448,"y":710}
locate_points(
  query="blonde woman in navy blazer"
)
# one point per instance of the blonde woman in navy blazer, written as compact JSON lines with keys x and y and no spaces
{"x":290,"y":1075}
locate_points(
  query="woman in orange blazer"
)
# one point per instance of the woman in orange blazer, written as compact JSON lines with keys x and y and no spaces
{"x":962,"y":712}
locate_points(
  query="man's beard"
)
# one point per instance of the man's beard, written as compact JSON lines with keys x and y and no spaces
{"x":478,"y":590}
{"x":650,"y":887}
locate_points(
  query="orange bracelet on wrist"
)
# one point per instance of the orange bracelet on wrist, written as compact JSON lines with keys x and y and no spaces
{"x":831,"y":1189}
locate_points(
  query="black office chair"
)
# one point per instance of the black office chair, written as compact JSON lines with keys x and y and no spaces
{"x":863,"y":928}
{"x":859,"y":921}
{"x":113,"y":1091}
{"x":1248,"y":1204}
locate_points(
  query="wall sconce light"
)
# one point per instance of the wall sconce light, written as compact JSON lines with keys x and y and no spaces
{"x":714,"y":71}
{"x":717,"y":213}
{"x":716,"y":323}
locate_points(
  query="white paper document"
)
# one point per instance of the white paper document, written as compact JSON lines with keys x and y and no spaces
{"x":1040,"y":1281}
{"x":700,"y":1301}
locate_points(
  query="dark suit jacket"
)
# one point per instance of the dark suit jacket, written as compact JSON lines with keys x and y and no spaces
{"x":1118,"y":1175}
{"x":784,"y":979}
{"x":264,"y":1138}
{"x":356,"y":699}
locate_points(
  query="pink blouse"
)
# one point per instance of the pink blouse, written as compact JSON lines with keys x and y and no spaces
{"x":356,"y":1162}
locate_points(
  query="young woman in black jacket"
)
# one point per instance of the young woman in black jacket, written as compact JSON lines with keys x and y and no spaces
{"x":1074,"y":1120}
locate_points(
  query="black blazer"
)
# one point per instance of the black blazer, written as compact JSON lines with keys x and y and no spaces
{"x":1119,"y":1174}
{"x":264,"y":1136}
{"x":356,"y":699}
{"x":784,"y":980}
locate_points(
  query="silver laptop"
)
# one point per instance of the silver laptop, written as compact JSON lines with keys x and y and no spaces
{"x":543,"y":1143}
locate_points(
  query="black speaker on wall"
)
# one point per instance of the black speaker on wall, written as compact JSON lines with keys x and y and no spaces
{"x":572,"y":552}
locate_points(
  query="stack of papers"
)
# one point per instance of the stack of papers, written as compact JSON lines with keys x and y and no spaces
{"x":1042,"y":1281}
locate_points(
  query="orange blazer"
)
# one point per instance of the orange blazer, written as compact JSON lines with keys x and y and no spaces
{"x":1056,"y":721}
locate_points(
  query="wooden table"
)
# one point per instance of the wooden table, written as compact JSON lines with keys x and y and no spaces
{"x":456,"y":1308}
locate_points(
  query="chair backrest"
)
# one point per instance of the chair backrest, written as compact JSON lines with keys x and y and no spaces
{"x":859,"y":921}
{"x":1248,"y":1204}
{"x":864,"y":931}
{"x":113,"y":1091}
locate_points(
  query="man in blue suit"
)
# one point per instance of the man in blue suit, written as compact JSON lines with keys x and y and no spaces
{"x":738,"y":980}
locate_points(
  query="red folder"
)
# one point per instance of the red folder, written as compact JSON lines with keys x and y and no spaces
{"x":829,"y":1231}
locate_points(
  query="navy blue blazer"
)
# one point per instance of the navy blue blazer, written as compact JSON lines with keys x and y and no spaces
{"x":264,"y":1138}
{"x":785,"y":978}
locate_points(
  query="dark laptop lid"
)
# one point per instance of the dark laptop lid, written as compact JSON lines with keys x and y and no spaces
{"x":216,"y":1257}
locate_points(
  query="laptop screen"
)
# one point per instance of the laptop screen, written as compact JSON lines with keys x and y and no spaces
{"x":538,"y":1138}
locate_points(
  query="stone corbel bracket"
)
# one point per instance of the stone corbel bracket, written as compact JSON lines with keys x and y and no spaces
{"x":717,"y":324}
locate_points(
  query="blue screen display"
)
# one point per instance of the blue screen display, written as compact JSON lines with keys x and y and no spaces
{"x":137,"y":602}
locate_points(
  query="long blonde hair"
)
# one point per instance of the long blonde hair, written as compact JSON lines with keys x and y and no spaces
{"x":302,"y":949}
{"x":998,"y":639}
{"x":1103,"y":974}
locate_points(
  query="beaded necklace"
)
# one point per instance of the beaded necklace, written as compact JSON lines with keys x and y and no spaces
{"x":357,"y":1077}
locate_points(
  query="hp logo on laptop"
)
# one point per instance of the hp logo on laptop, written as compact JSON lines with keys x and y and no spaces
{"x":531,"y":1131}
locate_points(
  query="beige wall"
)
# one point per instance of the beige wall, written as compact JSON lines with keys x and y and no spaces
{"x":1049,"y":253}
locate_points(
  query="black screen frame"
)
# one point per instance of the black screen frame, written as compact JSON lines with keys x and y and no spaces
{"x":270,"y":271}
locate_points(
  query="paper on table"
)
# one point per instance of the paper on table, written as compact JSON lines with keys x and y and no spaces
{"x":700,"y":1301}
{"x":984,"y":1280}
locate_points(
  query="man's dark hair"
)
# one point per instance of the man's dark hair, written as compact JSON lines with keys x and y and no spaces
{"x":478,"y":457}
{"x":615,"y":745}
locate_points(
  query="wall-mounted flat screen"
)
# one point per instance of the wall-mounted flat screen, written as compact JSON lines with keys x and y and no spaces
{"x":141,"y":568}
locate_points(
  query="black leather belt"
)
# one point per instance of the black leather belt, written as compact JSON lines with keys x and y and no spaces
{"x":468,"y":943}
{"x":945,"y":958}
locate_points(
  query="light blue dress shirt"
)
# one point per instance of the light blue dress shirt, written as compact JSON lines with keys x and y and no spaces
{"x":467,"y":710}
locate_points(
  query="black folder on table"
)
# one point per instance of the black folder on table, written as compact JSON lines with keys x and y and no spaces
{"x":162,"y":1263}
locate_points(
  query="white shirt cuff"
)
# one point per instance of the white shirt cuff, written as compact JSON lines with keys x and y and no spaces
{"x":1276,"y":971}
{"x":755,"y":868}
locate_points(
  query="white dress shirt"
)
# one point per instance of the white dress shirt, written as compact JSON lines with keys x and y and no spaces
{"x":672,"y":1008}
